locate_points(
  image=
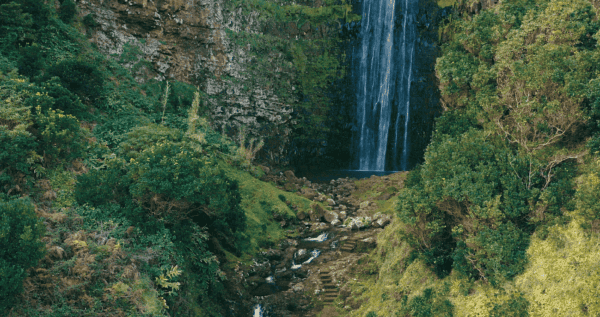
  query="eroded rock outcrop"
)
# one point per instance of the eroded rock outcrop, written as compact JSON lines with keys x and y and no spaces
{"x":190,"y":41}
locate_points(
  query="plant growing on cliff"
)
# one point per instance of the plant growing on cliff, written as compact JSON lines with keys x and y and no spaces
{"x":20,"y":246}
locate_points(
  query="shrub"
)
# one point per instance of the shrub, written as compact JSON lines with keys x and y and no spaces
{"x":430,"y":303}
{"x":60,"y":136}
{"x":17,"y":150}
{"x":82,"y":78}
{"x":515,"y":306}
{"x":168,"y":182}
{"x":67,"y":12}
{"x":20,"y":246}
{"x":17,"y":143}
{"x":469,"y":206}
{"x":89,"y":20}
{"x":31,"y":61}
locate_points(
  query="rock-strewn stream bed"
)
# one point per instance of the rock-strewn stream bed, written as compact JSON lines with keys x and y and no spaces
{"x":309,"y":269}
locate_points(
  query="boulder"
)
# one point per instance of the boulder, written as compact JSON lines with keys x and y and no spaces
{"x":330,"y":202}
{"x":330,"y":216}
{"x":342,"y":215}
{"x":308,"y":193}
{"x":316,"y":212}
{"x":355,"y":223}
{"x":301,"y":215}
{"x":301,"y":256}
{"x":366,"y":244}
{"x":273,"y":254}
{"x":364,"y":204}
{"x":383,"y":221}
{"x":336,"y":222}
{"x":290,"y":187}
{"x":289,"y":175}
{"x":265,"y":169}
{"x":319,"y":227}
{"x":297,"y":288}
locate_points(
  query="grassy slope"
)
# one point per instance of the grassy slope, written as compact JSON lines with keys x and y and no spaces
{"x":260,"y":201}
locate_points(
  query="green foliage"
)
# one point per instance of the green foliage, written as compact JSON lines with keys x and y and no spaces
{"x":515,"y":306}
{"x":31,"y":61}
{"x":81,"y":77}
{"x":67,"y":12}
{"x":430,"y":303}
{"x":20,"y":246}
{"x":587,"y":197}
{"x":60,"y":136}
{"x":470,"y":193}
{"x":169,"y":179}
{"x":17,"y":148}
{"x":89,"y":20}
{"x":562,"y":277}
{"x":283,"y":11}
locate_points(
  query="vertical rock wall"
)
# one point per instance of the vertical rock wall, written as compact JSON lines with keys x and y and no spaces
{"x":189,"y":41}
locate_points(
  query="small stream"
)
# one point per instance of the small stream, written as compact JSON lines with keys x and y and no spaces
{"x":308,"y":249}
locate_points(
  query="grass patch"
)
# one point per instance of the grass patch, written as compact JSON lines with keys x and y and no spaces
{"x":261,"y":201}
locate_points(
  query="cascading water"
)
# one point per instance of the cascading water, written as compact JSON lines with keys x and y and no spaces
{"x":385,"y":70}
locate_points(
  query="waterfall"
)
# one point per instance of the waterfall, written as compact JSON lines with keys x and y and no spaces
{"x":385,"y":66}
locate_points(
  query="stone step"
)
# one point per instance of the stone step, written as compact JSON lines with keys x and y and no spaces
{"x":329,"y":286}
{"x":331,"y":291}
{"x":329,"y":299}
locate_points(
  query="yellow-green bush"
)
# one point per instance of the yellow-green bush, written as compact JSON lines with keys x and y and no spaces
{"x":563,"y":274}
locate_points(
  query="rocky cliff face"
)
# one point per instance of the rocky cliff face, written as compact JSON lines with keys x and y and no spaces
{"x":189,"y":41}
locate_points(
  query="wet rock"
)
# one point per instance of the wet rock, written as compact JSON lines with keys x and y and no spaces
{"x":264,"y":289}
{"x":330,"y":202}
{"x":289,"y":255}
{"x":330,"y":216}
{"x":355,"y":223}
{"x":336,"y":222}
{"x":301,"y":256}
{"x":342,"y":215}
{"x":302,"y":272}
{"x":319,"y":226}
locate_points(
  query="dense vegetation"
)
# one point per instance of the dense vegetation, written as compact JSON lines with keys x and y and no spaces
{"x":116,"y":197}
{"x":506,"y":197}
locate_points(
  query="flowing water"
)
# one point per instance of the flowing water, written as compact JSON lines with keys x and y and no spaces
{"x":385,"y":71}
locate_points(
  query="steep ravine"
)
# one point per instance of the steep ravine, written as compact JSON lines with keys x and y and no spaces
{"x":307,"y":272}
